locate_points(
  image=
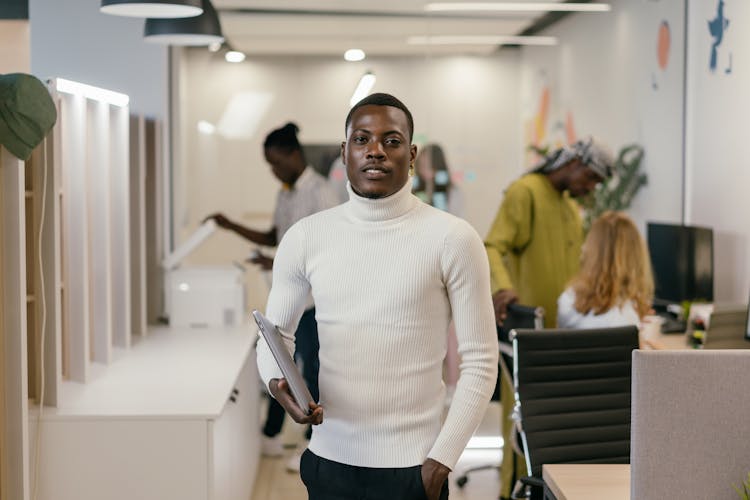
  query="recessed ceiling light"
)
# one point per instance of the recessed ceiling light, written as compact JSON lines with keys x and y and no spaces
{"x":234,"y":56}
{"x":517,"y":7}
{"x":354,"y":55}
{"x":482,"y":40}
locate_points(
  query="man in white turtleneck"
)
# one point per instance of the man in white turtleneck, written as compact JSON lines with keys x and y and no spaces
{"x":387,"y":273}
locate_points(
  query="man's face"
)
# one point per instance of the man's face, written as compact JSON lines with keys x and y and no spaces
{"x":582,"y":180}
{"x":377,"y":152}
{"x":284,"y":165}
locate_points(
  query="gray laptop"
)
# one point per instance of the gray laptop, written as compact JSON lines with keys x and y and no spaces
{"x":690,"y":424}
{"x":275,"y":342}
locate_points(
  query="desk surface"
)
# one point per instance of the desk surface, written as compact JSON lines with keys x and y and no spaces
{"x":670,"y":341}
{"x":588,"y":481}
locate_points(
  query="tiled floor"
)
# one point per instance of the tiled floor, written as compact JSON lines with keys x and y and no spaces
{"x":275,"y":483}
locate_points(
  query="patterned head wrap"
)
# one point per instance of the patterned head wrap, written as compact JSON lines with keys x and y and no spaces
{"x":592,"y":154}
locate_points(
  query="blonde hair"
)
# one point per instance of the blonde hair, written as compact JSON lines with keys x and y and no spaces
{"x":615,"y":267}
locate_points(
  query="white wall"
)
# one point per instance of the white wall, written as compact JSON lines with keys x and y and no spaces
{"x":71,"y":39}
{"x":604,"y":73}
{"x":14,"y":46}
{"x":467,"y":104}
{"x":718,"y":177}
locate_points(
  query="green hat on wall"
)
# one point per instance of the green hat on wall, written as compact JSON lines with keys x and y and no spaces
{"x":27,"y":113}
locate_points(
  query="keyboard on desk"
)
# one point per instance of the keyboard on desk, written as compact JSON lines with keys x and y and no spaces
{"x":673,"y":325}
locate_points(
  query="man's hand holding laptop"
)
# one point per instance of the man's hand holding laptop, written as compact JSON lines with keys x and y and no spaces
{"x":280,"y":390}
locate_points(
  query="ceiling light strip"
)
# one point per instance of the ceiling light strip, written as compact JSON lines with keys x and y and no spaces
{"x":366,"y":83}
{"x":481,"y":40}
{"x":516,"y":7}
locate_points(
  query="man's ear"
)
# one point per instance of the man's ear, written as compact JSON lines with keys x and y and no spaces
{"x":343,"y":152}
{"x":412,"y":153}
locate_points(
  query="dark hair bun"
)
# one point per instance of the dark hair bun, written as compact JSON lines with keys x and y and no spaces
{"x":284,"y":138}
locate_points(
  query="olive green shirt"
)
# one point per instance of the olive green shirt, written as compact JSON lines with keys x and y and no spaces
{"x":534,"y":244}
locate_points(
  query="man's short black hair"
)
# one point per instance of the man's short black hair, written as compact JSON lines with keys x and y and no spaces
{"x":381,"y":99}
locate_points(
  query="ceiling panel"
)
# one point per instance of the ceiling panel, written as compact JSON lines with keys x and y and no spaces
{"x":329,"y":27}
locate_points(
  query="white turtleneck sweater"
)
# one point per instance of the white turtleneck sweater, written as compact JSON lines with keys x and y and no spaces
{"x":387,"y":275}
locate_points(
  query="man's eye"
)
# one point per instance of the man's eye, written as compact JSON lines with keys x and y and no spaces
{"x":393,"y":141}
{"x":359,"y":140}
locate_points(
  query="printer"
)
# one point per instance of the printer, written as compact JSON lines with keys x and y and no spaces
{"x":203,"y":296}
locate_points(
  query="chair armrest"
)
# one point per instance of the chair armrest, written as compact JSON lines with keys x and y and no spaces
{"x":527,"y":487}
{"x":532,"y":481}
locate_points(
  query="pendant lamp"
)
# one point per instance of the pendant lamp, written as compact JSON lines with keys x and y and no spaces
{"x":190,"y":31}
{"x":152,"y":8}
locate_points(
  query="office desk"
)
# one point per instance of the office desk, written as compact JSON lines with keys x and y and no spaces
{"x":586,"y":481}
{"x":670,"y":341}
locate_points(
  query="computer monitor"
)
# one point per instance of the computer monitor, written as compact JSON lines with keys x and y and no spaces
{"x":682,"y":262}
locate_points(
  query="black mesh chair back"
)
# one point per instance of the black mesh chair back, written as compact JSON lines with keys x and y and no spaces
{"x":519,"y":317}
{"x":573,"y":394}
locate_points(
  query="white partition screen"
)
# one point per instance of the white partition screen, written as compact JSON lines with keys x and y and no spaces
{"x":95,"y":169}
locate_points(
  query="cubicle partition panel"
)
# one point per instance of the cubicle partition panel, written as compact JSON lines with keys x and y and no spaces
{"x":689,"y":434}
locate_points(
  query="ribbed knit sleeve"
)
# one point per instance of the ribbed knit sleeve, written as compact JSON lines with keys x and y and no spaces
{"x":467,"y":281}
{"x":287,"y":299}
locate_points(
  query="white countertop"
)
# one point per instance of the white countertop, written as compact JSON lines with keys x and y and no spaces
{"x":182,"y":373}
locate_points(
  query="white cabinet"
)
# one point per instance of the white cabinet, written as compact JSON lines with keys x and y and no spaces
{"x":177,"y":418}
{"x":234,"y":440}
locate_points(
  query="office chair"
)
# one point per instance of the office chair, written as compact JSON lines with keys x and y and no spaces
{"x":572,"y":390}
{"x":519,"y":316}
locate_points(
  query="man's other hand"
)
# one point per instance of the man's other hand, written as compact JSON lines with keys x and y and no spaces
{"x":265,"y":262}
{"x":434,"y":476}
{"x":220,"y":220}
{"x":280,"y":390}
{"x":500,"y":301}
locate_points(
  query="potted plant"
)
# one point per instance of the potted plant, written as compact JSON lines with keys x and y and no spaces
{"x":745,"y":491}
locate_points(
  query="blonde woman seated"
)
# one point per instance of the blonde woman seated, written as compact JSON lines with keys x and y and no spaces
{"x":615,"y":286}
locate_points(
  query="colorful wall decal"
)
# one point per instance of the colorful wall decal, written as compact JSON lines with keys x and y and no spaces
{"x":662,"y":45}
{"x":716,"y":28}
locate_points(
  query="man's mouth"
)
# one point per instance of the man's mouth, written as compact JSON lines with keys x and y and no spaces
{"x":374,"y":172}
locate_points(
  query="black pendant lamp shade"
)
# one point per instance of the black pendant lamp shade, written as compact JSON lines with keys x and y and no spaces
{"x":152,"y":8}
{"x":200,"y":30}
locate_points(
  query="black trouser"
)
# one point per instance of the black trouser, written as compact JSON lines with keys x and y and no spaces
{"x":306,"y":347}
{"x":329,"y":480}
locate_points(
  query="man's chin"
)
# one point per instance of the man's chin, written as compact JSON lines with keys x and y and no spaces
{"x":370,"y":190}
{"x":373,"y":195}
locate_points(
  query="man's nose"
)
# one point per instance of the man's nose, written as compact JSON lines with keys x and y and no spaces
{"x":375,"y":150}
